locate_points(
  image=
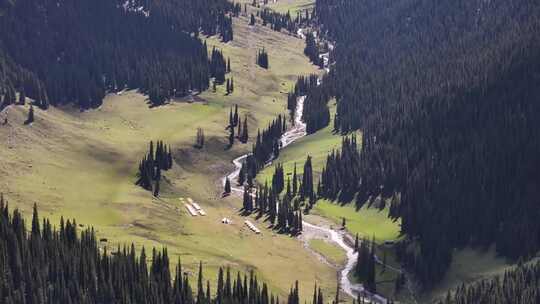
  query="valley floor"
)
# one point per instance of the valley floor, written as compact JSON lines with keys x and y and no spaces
{"x":83,"y":165}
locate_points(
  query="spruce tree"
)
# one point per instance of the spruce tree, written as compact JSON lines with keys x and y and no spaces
{"x":199,"y":140}
{"x":156,"y":188}
{"x":239,"y":132}
{"x":200,"y":290}
{"x":227,"y":186}
{"x":242,"y":174}
{"x":295,"y":181}
{"x":235,"y":116}
{"x":245,"y":135}
{"x":231,"y":136}
{"x":30,"y":118}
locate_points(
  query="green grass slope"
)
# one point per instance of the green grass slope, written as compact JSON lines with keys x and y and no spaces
{"x":83,"y":166}
{"x":330,"y":251}
{"x":292,"y":6}
{"x":316,"y":145}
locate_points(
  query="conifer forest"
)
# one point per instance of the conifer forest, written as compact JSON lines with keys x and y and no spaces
{"x":267,"y":151}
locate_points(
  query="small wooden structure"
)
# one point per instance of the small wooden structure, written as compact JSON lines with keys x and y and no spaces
{"x":191,"y":210}
{"x":252,"y":227}
{"x":198,"y":208}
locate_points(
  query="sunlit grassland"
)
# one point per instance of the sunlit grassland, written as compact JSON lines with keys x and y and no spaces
{"x":330,"y":251}
{"x":82,"y":165}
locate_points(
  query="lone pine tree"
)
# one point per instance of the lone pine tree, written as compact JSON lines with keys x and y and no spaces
{"x":199,"y":139}
{"x":227,"y":189}
{"x":30,"y":118}
{"x":245,"y":135}
{"x":231,"y":136}
{"x":306,"y":188}
{"x":235,"y":116}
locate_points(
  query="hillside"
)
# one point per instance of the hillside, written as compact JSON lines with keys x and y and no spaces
{"x":90,"y":48}
{"x":333,"y":151}
{"x":83,"y":165}
{"x":50,"y":265}
{"x":445,"y":94}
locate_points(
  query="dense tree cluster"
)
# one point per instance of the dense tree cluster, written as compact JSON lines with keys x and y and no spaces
{"x":446,"y":94}
{"x":265,"y":149}
{"x":262,"y":59}
{"x":364,"y":269}
{"x":305,"y":83}
{"x":278,"y":178}
{"x":49,"y":265}
{"x":306,"y":189}
{"x":283,"y":212}
{"x":340,"y":176}
{"x":150,"y":167}
{"x":268,"y":143}
{"x":518,"y":286}
{"x":316,"y":113}
{"x":279,"y":21}
{"x":302,"y":86}
{"x":89,"y":48}
{"x":225,"y":24}
{"x":218,"y":66}
{"x":312,"y":50}
{"x":242,"y":132}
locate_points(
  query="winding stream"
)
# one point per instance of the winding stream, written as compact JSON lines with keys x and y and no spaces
{"x":336,"y":237}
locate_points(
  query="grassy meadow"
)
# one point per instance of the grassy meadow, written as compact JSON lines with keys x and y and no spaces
{"x":292,"y":6}
{"x":316,"y":145}
{"x":330,"y":251}
{"x":82,"y":165}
